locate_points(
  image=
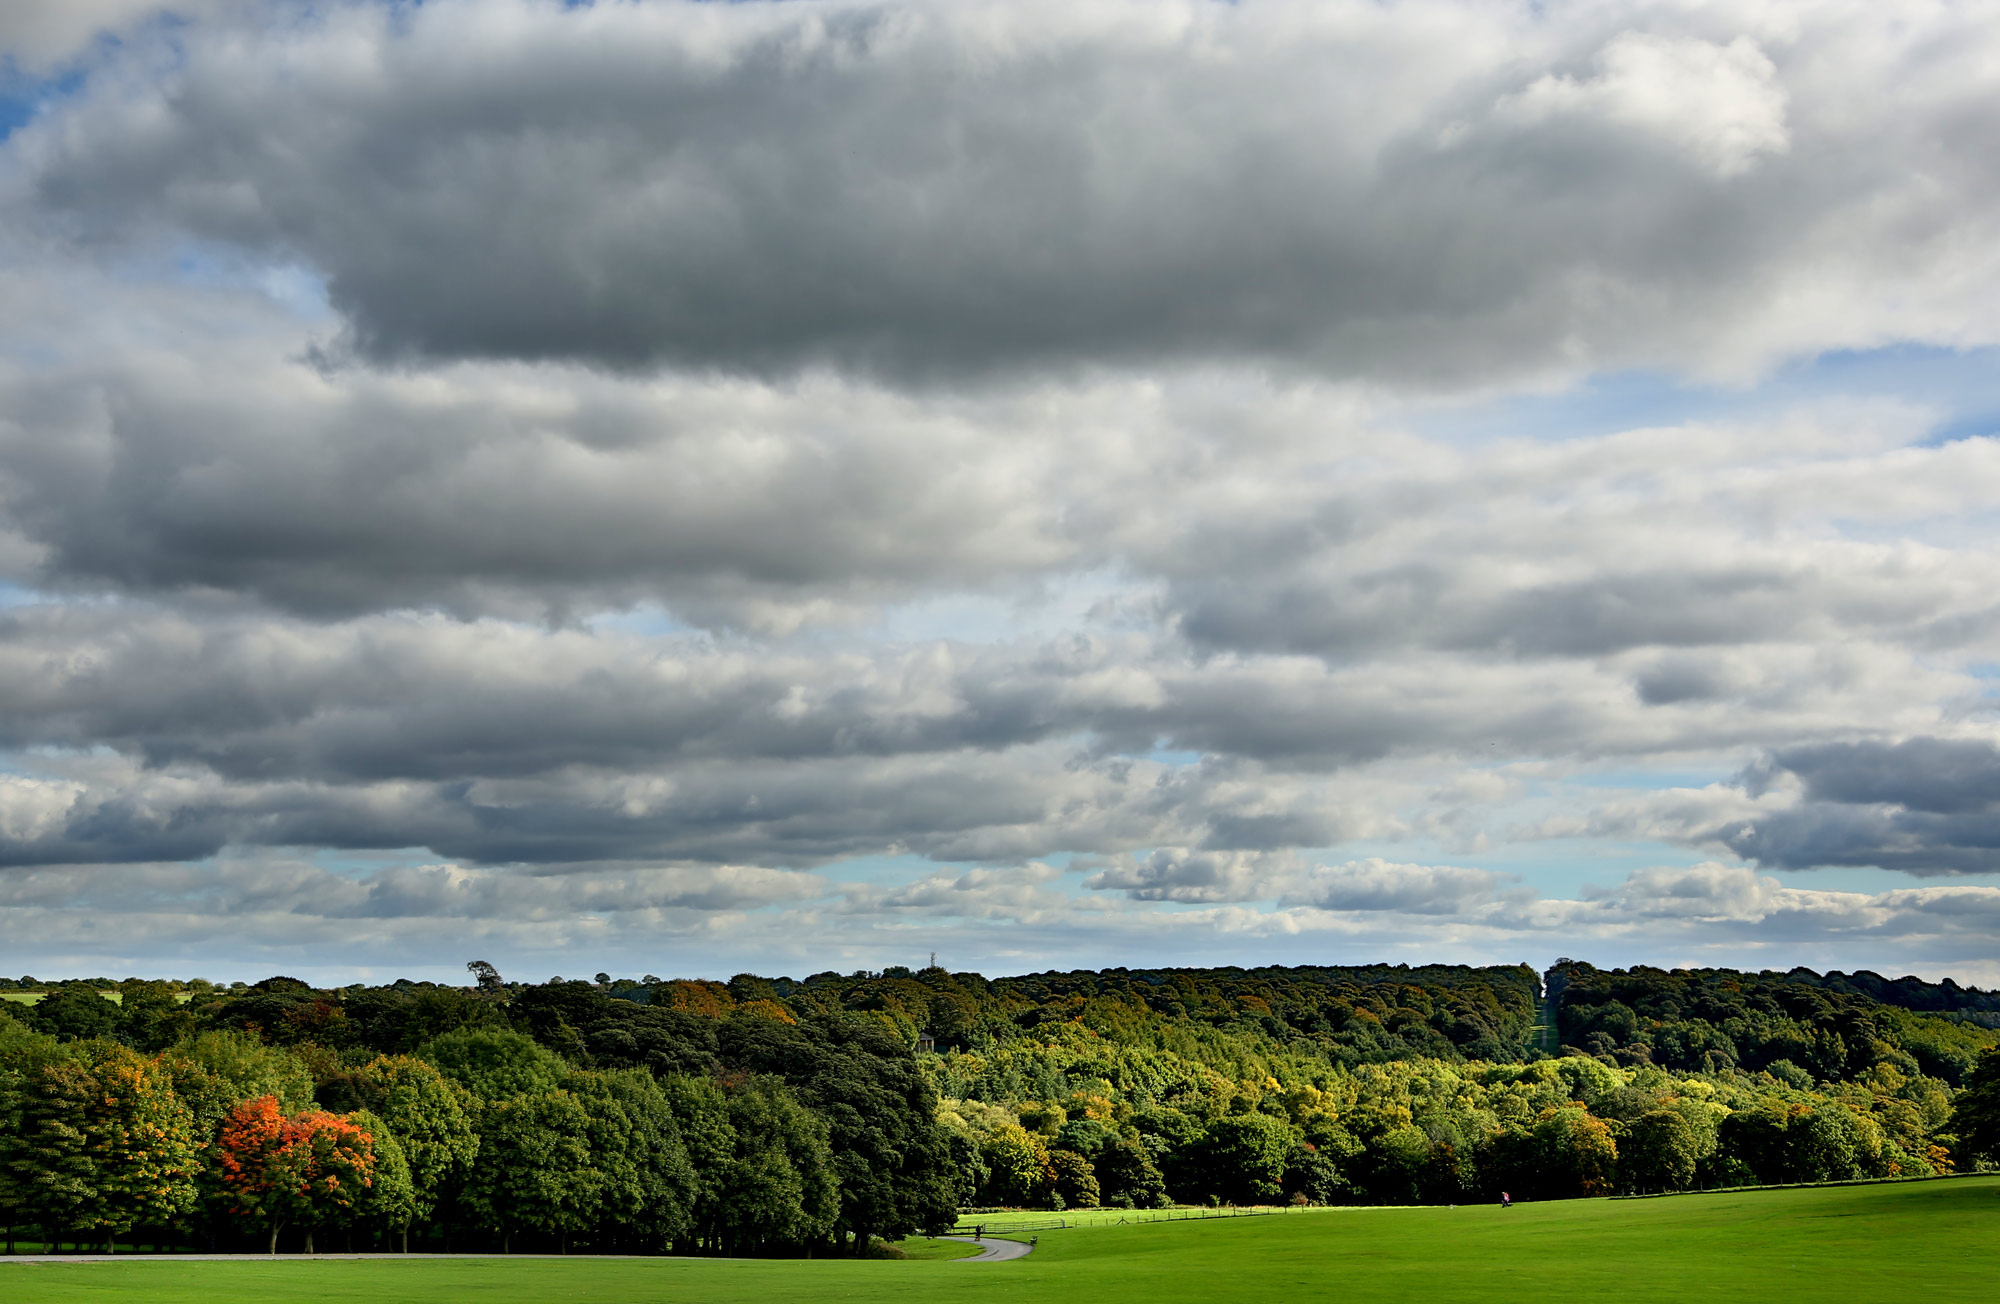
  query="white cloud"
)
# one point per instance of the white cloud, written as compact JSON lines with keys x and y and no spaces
{"x":1723,"y":104}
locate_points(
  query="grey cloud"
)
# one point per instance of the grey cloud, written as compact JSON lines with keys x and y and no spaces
{"x":253,"y":885}
{"x":491,"y":742}
{"x":41,"y":35}
{"x":1192,"y":875}
{"x":953,"y":805}
{"x":1939,"y":776}
{"x":922,"y":189}
{"x":1923,"y":806}
{"x":1379,"y":885}
{"x":515,"y":492}
{"x":1247,"y":516}
{"x":1020,"y":895}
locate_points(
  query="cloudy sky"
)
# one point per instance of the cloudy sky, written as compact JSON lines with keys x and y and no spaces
{"x":682,"y":488}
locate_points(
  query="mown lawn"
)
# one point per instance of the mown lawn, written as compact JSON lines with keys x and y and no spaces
{"x":1931,"y":1241}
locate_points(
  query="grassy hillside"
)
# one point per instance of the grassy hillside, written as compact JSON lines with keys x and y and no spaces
{"x":1825,"y":1245}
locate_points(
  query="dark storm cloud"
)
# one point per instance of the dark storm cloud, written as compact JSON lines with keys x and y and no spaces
{"x":1923,"y":806}
{"x":1443,"y":191}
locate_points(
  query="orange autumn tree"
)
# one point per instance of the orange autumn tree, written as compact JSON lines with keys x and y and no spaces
{"x":310,"y":1168}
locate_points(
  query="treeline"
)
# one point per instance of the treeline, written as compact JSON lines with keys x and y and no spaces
{"x":448,"y":1117}
{"x":1801,"y":1027}
{"x":781,"y":1116}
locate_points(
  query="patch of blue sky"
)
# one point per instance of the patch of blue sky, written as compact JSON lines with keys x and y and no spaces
{"x":1961,"y":386}
{"x":643,"y":619}
{"x":1650,"y":780}
{"x":23,"y":96}
{"x":295,"y":287}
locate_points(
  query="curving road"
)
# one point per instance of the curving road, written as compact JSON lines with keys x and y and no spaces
{"x":993,"y":1249}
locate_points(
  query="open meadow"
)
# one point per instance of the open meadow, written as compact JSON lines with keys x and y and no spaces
{"x":1939,"y":1241}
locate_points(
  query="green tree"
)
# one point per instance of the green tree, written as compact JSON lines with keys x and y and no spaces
{"x":1658,"y":1153}
{"x":1017,"y":1167}
{"x":494,"y":1064}
{"x":72,"y":1013}
{"x":429,"y":1117}
{"x":1823,"y":1145}
{"x":1574,"y":1153}
{"x":390,"y":1201}
{"x":535,"y":1171}
{"x":781,"y":1190}
{"x":104,"y":1144}
{"x":150,"y":1016}
{"x":1242,"y":1157}
{"x":1125,"y":1170}
{"x":646,"y":1184}
{"x":1076,"y":1179}
{"x":701,"y":1114}
{"x":891,"y":1157}
{"x":216,"y":1071}
{"x":1975,"y":1115}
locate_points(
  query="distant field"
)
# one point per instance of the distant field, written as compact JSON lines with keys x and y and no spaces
{"x":1934,"y":1241}
{"x":1033,"y":1221}
{"x":35,"y":998}
{"x":110,"y":994}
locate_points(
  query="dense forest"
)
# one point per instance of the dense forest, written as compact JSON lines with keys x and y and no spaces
{"x":773,"y":1116}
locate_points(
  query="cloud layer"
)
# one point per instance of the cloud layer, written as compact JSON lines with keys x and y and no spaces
{"x":1407,"y":192}
{"x":1102,"y":481}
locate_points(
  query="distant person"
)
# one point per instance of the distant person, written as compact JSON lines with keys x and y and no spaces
{"x":1506,"y":1200}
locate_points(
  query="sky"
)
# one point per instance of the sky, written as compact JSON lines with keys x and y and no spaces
{"x":690,"y":488}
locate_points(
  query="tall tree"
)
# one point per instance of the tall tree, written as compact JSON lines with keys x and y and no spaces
{"x":1975,"y":1116}
{"x":536,"y":1171}
{"x":104,"y":1144}
{"x":646,"y":1188}
{"x":430,"y":1118}
{"x":891,"y":1157}
{"x":781,"y":1190}
{"x":1658,"y":1153}
{"x":390,"y":1201}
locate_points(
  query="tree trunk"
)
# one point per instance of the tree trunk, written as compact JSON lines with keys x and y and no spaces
{"x":406,"y":1240}
{"x":274,"y":1239}
{"x":309,"y":1240}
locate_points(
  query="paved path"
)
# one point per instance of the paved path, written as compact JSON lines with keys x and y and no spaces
{"x":993,"y":1249}
{"x":1544,"y":1036}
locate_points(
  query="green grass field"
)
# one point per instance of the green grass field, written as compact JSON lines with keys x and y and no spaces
{"x":1935,"y":1241}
